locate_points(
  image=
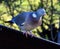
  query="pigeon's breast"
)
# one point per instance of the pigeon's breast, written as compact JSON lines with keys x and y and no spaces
{"x":30,"y":26}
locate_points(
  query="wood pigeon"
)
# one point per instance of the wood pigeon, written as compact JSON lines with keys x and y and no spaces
{"x":27,"y":21}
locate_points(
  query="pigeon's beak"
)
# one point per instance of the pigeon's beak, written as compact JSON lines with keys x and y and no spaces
{"x":45,"y":14}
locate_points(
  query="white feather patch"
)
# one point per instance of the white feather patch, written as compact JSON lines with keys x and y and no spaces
{"x":34,"y":15}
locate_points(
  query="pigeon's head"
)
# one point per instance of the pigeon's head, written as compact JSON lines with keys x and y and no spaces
{"x":38,"y":14}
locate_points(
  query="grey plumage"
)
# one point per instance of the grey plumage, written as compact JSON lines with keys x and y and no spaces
{"x":20,"y":18}
{"x":27,"y":21}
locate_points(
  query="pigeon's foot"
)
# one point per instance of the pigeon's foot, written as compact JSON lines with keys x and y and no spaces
{"x":26,"y":33}
{"x":30,"y":33}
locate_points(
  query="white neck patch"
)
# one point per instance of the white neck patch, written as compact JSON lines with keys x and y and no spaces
{"x":34,"y":15}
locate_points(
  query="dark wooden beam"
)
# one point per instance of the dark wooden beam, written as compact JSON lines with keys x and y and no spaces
{"x":10,"y":38}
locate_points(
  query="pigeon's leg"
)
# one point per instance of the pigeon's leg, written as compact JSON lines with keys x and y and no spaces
{"x":26,"y":33}
{"x":31,"y":34}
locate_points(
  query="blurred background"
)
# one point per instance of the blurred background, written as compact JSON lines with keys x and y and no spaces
{"x":50,"y":23}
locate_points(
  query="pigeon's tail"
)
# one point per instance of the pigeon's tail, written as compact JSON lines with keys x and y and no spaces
{"x":11,"y":22}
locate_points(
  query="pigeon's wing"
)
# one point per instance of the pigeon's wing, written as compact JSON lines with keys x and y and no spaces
{"x":20,"y":18}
